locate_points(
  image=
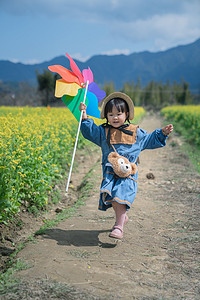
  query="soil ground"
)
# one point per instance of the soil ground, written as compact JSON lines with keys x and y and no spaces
{"x":158,"y":257}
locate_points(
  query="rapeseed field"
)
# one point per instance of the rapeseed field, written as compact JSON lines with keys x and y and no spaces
{"x":187,"y":120}
{"x":36,"y":147}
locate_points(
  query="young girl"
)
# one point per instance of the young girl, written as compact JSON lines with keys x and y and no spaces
{"x":119,"y":135}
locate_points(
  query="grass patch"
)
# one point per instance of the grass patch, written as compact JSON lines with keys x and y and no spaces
{"x":79,"y":253}
{"x":187,"y":148}
{"x":65,"y":214}
{"x":48,"y":289}
{"x":84,"y":188}
{"x":193,"y":153}
{"x":7,"y":279}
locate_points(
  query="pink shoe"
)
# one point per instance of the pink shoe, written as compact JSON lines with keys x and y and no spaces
{"x":117,"y":232}
{"x":125,"y":222}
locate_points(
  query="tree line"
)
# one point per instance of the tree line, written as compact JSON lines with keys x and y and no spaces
{"x":154,"y":94}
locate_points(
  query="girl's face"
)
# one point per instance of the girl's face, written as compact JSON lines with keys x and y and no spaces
{"x":116,"y":118}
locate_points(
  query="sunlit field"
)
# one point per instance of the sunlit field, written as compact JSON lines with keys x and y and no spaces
{"x":188,"y":117}
{"x":36,"y":146}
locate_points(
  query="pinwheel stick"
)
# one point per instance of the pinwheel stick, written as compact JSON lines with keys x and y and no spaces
{"x":76,"y":141}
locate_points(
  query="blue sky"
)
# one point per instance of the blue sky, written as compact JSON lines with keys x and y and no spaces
{"x":38,"y":30}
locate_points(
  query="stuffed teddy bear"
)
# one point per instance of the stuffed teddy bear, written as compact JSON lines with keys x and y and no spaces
{"x":121,"y":165}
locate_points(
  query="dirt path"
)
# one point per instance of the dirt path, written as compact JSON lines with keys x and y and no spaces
{"x":158,"y":257}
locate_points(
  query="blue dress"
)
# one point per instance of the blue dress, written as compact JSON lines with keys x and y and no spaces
{"x":114,"y":188}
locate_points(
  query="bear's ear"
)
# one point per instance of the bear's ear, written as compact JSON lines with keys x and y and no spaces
{"x":134,"y":168}
{"x":112,"y":156}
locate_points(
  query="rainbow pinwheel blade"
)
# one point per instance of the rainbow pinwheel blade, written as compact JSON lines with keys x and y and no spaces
{"x":92,"y":108}
{"x":72,"y":89}
{"x":63,"y":88}
{"x":75,"y":69}
{"x":73,"y":103}
{"x":93,"y":88}
{"x":67,"y":75}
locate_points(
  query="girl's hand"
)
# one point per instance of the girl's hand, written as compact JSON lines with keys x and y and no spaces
{"x":167,"y":129}
{"x":82,"y":107}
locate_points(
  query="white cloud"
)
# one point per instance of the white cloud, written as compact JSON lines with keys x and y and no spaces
{"x":80,"y":57}
{"x":125,"y":10}
{"x":32,"y":61}
{"x":116,"y":52}
{"x":13,"y":60}
{"x":155,"y":24}
{"x":161,"y":32}
{"x":27,"y":62}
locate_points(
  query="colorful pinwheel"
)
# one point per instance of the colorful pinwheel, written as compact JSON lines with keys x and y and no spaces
{"x":71,"y":88}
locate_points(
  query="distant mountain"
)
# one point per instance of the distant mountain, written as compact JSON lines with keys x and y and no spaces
{"x":182,"y":62}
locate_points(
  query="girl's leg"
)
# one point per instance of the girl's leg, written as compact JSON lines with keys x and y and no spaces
{"x":120,"y":214}
{"x":125,"y":221}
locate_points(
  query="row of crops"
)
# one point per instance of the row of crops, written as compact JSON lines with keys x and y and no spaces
{"x":186,"y":120}
{"x":36,"y":146}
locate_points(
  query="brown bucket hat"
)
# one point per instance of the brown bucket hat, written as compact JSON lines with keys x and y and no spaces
{"x":121,"y":96}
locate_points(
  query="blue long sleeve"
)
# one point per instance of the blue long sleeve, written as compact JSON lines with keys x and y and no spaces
{"x":91,"y":131}
{"x":153,"y":140}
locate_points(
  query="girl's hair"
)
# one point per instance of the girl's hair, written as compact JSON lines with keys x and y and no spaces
{"x":120,"y":104}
